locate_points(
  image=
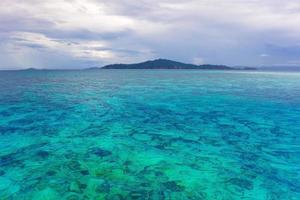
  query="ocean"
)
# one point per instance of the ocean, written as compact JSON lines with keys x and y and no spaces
{"x":149,"y":134}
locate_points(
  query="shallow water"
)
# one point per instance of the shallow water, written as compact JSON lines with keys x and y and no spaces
{"x":149,"y":134}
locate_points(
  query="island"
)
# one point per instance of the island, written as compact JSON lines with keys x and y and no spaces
{"x":168,"y":64}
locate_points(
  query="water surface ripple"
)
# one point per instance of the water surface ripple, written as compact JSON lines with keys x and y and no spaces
{"x":149,"y":134}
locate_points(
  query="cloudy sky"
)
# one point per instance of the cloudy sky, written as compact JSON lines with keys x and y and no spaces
{"x":88,"y":33}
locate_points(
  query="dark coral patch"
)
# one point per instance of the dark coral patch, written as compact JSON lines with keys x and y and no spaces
{"x":84,"y":172}
{"x":100,"y":152}
{"x":42,"y":154}
{"x":51,"y":173}
{"x":10,"y":160}
{"x":243,"y":183}
{"x":173,"y":186}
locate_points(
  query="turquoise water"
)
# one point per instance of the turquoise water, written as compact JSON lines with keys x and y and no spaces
{"x":149,"y":134}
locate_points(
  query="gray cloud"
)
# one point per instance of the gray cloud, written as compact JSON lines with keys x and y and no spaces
{"x":81,"y":33}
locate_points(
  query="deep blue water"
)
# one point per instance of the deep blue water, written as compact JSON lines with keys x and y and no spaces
{"x":149,"y":134}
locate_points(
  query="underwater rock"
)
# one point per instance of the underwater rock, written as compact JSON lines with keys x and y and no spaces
{"x":42,"y":154}
{"x":277,"y":131}
{"x":157,"y":193}
{"x":51,"y":173}
{"x":84,"y":172}
{"x":100,"y":152}
{"x":22,"y":122}
{"x":235,"y":136}
{"x":7,"y":130}
{"x":127,"y":163}
{"x":184,"y":140}
{"x":14,"y":159}
{"x":158,"y":173}
{"x":105,"y":188}
{"x":93,"y":131}
{"x":160,"y":146}
{"x":82,"y":186}
{"x":173,"y":186}
{"x":2,"y":172}
{"x":226,"y":127}
{"x":74,"y":165}
{"x":69,"y":154}
{"x":239,"y":134}
{"x":249,"y":156}
{"x":242,"y":183}
{"x":10,"y":160}
{"x":146,"y":184}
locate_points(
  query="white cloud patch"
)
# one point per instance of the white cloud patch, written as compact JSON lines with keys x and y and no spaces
{"x":264,"y":55}
{"x":25,"y":46}
{"x":80,"y":49}
{"x":198,"y":61}
{"x":230,"y":32}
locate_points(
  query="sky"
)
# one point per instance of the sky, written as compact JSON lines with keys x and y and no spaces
{"x":67,"y":34}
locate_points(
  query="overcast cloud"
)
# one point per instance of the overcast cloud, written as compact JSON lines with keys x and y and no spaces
{"x":88,"y":33}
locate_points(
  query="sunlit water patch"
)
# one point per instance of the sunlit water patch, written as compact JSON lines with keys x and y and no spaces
{"x":160,"y":134}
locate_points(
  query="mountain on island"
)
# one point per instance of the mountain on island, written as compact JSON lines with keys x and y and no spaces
{"x":167,"y":64}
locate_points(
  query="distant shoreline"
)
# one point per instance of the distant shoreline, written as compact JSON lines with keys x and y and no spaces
{"x":170,"y":64}
{"x":164,"y":64}
{"x":204,"y":70}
